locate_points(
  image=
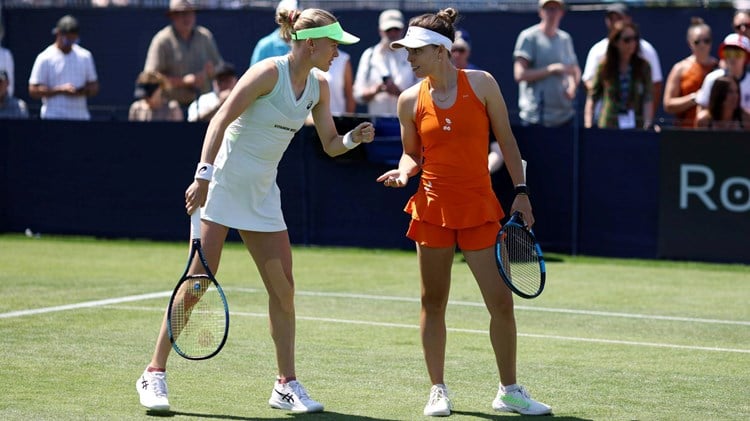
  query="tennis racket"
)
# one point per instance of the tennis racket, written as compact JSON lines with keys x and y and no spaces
{"x":519,"y":258}
{"x":198,"y":314}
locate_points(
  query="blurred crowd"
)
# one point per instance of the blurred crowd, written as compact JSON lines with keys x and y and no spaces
{"x":185,"y":77}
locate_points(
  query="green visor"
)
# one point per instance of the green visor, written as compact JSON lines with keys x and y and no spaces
{"x":332,"y":31}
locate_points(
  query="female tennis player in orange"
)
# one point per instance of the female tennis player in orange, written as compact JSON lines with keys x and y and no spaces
{"x":245,"y":141}
{"x":445,"y":122}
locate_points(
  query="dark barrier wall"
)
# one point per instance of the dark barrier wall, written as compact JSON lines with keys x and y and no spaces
{"x":705,"y":191}
{"x":676,"y":194}
{"x":119,"y":39}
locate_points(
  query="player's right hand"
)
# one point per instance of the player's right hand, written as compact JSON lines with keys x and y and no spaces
{"x":195,"y":195}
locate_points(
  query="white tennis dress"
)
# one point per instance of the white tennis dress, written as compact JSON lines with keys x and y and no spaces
{"x":243,"y":193}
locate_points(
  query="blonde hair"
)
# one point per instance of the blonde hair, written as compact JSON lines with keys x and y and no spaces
{"x":291,"y":21}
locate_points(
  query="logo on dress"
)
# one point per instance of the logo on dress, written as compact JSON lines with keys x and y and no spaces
{"x":448,"y":123}
{"x":309,"y":105}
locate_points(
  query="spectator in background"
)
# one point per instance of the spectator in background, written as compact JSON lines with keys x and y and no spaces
{"x":724,"y":111}
{"x":687,"y":75}
{"x":384,"y":72}
{"x":274,"y":44}
{"x":184,"y":53}
{"x":63,"y":75}
{"x":741,"y":22}
{"x":461,"y":51}
{"x":6,"y":63}
{"x":546,"y":69}
{"x":203,"y":108}
{"x":622,"y":82}
{"x":151,"y":105}
{"x":735,"y":53}
{"x":617,"y":12}
{"x":10,"y":106}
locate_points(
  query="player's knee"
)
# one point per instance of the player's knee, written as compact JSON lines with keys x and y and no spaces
{"x":434,"y":304}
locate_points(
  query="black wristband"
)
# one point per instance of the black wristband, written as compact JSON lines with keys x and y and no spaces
{"x":522,"y":189}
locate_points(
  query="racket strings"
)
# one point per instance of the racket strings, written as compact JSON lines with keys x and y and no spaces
{"x":198,"y":317}
{"x":521,"y":260}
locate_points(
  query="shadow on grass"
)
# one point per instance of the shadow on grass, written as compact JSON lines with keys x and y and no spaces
{"x":508,"y":415}
{"x":334,"y":416}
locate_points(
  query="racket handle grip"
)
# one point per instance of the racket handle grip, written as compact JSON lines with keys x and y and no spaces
{"x":195,"y":225}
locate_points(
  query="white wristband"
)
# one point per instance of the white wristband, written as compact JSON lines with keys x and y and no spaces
{"x":349,"y":142}
{"x":204,"y":171}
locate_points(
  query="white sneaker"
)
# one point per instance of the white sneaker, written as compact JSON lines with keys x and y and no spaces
{"x":292,"y":396}
{"x":152,"y":389}
{"x":519,"y":401}
{"x":439,"y":403}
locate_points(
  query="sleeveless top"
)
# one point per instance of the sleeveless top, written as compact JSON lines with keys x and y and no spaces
{"x":455,"y":189}
{"x":243,"y":193}
{"x":692,"y":79}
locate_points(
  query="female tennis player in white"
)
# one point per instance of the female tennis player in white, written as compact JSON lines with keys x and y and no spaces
{"x":235,"y":183}
{"x":445,"y":123}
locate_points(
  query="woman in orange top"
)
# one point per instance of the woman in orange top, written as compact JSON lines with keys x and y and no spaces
{"x":686,"y":77}
{"x":445,"y":122}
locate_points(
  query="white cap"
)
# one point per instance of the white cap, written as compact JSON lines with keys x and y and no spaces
{"x":416,"y":37}
{"x":389,"y":19}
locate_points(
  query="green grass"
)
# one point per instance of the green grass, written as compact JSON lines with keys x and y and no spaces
{"x":610,"y":339}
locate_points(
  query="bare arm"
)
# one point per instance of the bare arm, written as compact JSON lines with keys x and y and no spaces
{"x":673,"y":102}
{"x":409,"y":164}
{"x":523,"y":72}
{"x":489,"y":91}
{"x":332,"y":141}
{"x":588,"y":112}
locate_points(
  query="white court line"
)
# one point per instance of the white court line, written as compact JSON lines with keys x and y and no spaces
{"x":517,"y":307}
{"x":85,"y":304}
{"x":112,"y":302}
{"x":476,"y":331}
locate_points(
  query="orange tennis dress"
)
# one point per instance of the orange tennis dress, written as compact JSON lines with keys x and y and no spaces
{"x":455,"y":189}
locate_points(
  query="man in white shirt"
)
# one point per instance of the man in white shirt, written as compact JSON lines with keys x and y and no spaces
{"x":615,"y":13}
{"x":384,"y":72}
{"x":205,"y":106}
{"x":64,"y":76}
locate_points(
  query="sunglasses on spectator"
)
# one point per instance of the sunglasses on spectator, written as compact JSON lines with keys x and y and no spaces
{"x":742,"y":26}
{"x":629,"y":39}
{"x":706,"y":41}
{"x":734,"y":53}
{"x":458,"y":50}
